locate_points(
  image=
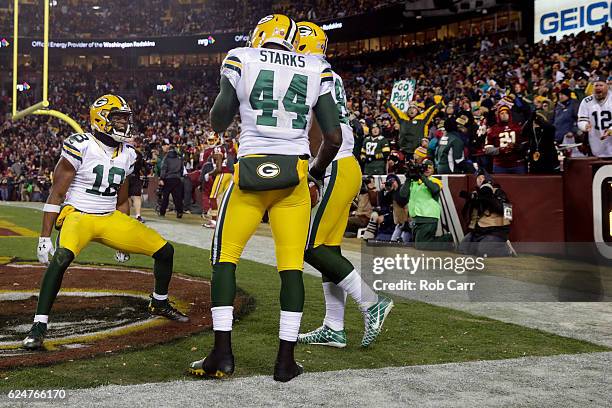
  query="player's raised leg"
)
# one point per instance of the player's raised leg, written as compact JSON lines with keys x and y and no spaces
{"x":328,"y":223}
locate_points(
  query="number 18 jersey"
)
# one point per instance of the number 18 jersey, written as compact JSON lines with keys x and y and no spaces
{"x":277,"y":90}
{"x":100,"y":171}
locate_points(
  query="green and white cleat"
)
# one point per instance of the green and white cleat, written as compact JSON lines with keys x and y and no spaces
{"x":375,"y":318}
{"x":324,"y":336}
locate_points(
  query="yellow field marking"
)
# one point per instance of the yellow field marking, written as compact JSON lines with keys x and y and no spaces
{"x":22,"y":231}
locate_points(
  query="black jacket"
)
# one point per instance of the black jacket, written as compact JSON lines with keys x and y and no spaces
{"x":172,"y":167}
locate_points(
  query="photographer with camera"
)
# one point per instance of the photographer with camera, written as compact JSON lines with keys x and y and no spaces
{"x":490,"y":215}
{"x":422,"y":194}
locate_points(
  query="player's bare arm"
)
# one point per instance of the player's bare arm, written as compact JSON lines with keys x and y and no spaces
{"x":62,"y":178}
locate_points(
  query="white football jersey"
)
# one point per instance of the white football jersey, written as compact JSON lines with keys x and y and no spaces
{"x":348,"y":140}
{"x":599,"y":115}
{"x":100,"y":171}
{"x":277,"y":91}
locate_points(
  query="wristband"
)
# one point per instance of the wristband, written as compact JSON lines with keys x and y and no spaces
{"x":52,"y":208}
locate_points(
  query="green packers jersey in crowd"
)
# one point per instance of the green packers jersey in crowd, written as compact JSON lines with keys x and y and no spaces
{"x":374,"y":154}
{"x":449,"y":153}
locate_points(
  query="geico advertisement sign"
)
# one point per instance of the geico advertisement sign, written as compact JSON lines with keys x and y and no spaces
{"x":563,"y":17}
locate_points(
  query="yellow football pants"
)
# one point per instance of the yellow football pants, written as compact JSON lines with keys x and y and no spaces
{"x":242,"y":211}
{"x":329,"y":217}
{"x":116,"y":230}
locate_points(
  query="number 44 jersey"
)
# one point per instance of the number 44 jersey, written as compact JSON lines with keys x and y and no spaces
{"x":277,"y":90}
{"x":100,"y":171}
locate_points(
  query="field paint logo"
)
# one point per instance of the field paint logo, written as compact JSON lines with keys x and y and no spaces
{"x":268,"y":170}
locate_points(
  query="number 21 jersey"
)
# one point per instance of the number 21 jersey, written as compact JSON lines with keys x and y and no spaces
{"x":277,"y":90}
{"x":100,"y":171}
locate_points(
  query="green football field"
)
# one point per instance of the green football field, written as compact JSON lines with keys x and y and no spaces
{"x":415,"y":333}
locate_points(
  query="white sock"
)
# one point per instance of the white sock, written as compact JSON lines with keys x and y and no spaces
{"x":41,"y":318}
{"x":160,"y":297}
{"x":289,"y":325}
{"x":335,"y":299}
{"x":359,"y":291}
{"x":223,"y":317}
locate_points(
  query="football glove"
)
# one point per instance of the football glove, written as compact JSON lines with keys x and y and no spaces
{"x":122,"y":257}
{"x":44,"y":250}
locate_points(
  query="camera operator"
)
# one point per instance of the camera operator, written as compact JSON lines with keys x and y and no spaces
{"x":382,"y":225}
{"x":490,"y":214}
{"x":422,"y":194}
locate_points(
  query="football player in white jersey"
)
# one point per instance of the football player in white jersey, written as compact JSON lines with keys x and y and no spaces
{"x":595,"y":117}
{"x":328,"y":222}
{"x":275,"y":90}
{"x":89,"y":202}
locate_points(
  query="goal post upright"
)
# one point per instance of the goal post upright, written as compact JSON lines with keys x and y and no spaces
{"x":40,"y":108}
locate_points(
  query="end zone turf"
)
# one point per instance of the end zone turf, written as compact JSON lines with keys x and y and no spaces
{"x":415,"y":333}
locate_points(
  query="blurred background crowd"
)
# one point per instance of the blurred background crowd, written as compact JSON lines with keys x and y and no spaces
{"x":122,"y":19}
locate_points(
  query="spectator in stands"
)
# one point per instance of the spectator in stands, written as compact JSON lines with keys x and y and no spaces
{"x":414,"y":124}
{"x":542,"y":157}
{"x":374,"y":152}
{"x":449,"y":155}
{"x":594,"y":117}
{"x":565,"y":115}
{"x":505,"y":144}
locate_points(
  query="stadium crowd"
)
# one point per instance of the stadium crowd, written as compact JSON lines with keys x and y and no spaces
{"x":464,"y":90}
{"x":171,"y":17}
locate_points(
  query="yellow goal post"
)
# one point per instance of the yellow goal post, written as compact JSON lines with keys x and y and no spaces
{"x":42,"y":107}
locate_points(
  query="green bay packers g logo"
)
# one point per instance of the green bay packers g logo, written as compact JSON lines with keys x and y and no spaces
{"x":268,"y":170}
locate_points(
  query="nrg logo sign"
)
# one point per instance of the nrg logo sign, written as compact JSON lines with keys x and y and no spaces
{"x":164,"y":87}
{"x":205,"y":42}
{"x":4,"y":43}
{"x":565,"y":17}
{"x":23,"y":87}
